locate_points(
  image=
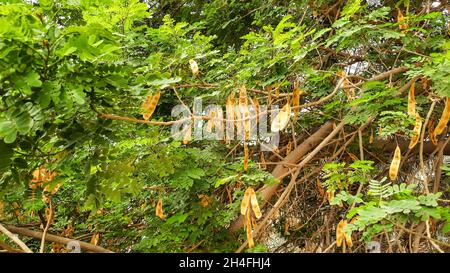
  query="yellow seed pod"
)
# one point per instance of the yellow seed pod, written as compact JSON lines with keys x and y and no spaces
{"x":411,"y":101}
{"x":256,"y":106}
{"x":211,"y":122}
{"x":149,"y":105}
{"x":401,"y":20}
{"x":245,"y":156}
{"x":444,"y":118}
{"x":282,"y":119}
{"x":246,"y":200}
{"x":255,"y":206}
{"x":159,"y":209}
{"x":296,"y":102}
{"x":251,"y":243}
{"x":340,"y":234}
{"x":393,"y":170}
{"x":187,"y":136}
{"x":194,"y":67}
{"x":371,"y":136}
{"x":416,"y":132}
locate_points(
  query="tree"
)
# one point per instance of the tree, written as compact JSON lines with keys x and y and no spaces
{"x":92,"y":91}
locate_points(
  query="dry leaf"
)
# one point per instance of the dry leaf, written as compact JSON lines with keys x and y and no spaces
{"x":371,"y":136}
{"x":393,"y":170}
{"x":159,"y":210}
{"x":204,"y":200}
{"x":95,"y":238}
{"x":320,"y":187}
{"x":282,"y":119}
{"x":352,"y":156}
{"x":416,"y":132}
{"x":194,"y":67}
{"x":444,"y":118}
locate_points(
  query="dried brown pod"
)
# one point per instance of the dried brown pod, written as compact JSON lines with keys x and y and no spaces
{"x":159,"y":209}
{"x":401,"y":20}
{"x":393,"y":170}
{"x":245,"y":156}
{"x":444,"y":118}
{"x":411,"y":101}
{"x":194,"y":67}
{"x":282,"y":119}
{"x":416,"y":132}
{"x":149,"y":106}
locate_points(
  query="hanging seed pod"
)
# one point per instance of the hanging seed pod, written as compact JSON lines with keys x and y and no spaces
{"x":371,"y":136}
{"x":149,"y":105}
{"x":340,"y":232}
{"x":411,"y":101}
{"x":401,"y":20}
{"x":256,"y":106}
{"x":282,"y":119}
{"x":255,"y":206}
{"x":194,"y":67}
{"x":444,"y":118}
{"x":431,"y":132}
{"x":245,"y":113}
{"x":296,"y":101}
{"x":393,"y":170}
{"x":416,"y":132}
{"x":341,"y":235}
{"x":211,"y":122}
{"x":246,"y":200}
{"x":187,"y":135}
{"x":159,"y":210}
{"x":230,"y":113}
{"x":251,"y":243}
{"x":245,"y":156}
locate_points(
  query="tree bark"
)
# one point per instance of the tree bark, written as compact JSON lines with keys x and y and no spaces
{"x":280,"y":171}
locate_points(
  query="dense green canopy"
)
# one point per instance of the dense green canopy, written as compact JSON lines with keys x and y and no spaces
{"x":79,"y":160}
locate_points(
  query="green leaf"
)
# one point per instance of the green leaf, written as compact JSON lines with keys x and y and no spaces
{"x":32,"y":79}
{"x":177,"y":218}
{"x":6,"y":153}
{"x":225,"y":180}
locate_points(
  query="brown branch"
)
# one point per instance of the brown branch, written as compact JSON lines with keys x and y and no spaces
{"x":56,"y":239}
{"x":16,"y":240}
